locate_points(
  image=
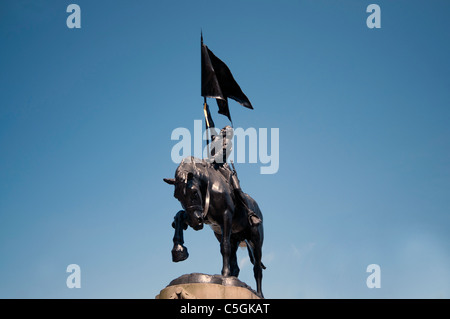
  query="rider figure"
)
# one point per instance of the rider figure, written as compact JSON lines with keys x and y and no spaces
{"x":219,"y":161}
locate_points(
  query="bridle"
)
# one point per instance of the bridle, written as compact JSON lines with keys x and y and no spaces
{"x":207,"y":200}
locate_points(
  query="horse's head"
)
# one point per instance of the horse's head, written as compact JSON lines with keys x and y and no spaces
{"x":187,"y":191}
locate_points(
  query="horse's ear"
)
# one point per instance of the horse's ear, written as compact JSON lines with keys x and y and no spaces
{"x":170,"y":181}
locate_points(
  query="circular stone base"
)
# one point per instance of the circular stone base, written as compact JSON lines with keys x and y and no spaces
{"x":203,"y":286}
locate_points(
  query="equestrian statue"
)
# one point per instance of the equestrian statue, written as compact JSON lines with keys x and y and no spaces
{"x":210,"y":193}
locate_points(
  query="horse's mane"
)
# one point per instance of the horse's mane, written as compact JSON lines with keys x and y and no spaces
{"x":190,"y":165}
{"x":200,"y":169}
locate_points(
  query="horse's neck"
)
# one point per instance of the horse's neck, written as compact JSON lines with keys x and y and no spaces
{"x":216,"y":182}
{"x":210,"y":174}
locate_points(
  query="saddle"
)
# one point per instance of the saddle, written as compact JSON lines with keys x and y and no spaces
{"x":232,"y":179}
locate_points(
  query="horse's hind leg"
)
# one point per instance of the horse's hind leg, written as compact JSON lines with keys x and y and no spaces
{"x":257,"y":265}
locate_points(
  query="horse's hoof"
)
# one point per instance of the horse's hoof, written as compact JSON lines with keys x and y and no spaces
{"x":179,"y":253}
{"x":226,"y":273}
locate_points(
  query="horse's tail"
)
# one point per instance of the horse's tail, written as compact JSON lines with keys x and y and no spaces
{"x":250,"y":253}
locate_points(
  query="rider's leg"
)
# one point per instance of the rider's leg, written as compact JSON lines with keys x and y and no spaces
{"x":252,"y":217}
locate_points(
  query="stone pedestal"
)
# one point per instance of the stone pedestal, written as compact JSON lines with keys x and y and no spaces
{"x":203,"y":286}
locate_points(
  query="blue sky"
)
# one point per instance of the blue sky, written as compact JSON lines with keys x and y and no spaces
{"x":86,"y":117}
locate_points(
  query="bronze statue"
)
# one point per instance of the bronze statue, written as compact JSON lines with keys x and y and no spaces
{"x":209,"y":193}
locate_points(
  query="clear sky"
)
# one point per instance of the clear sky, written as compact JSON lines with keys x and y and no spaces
{"x":86,"y":117}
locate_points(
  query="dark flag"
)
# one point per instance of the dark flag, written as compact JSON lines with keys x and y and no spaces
{"x":218,"y":82}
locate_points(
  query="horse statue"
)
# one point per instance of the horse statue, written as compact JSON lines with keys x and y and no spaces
{"x":207,"y":197}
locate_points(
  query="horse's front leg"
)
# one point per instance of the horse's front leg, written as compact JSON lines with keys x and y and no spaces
{"x":225,"y":244}
{"x":179,"y":252}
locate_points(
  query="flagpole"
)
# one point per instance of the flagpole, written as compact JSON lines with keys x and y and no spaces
{"x":205,"y":111}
